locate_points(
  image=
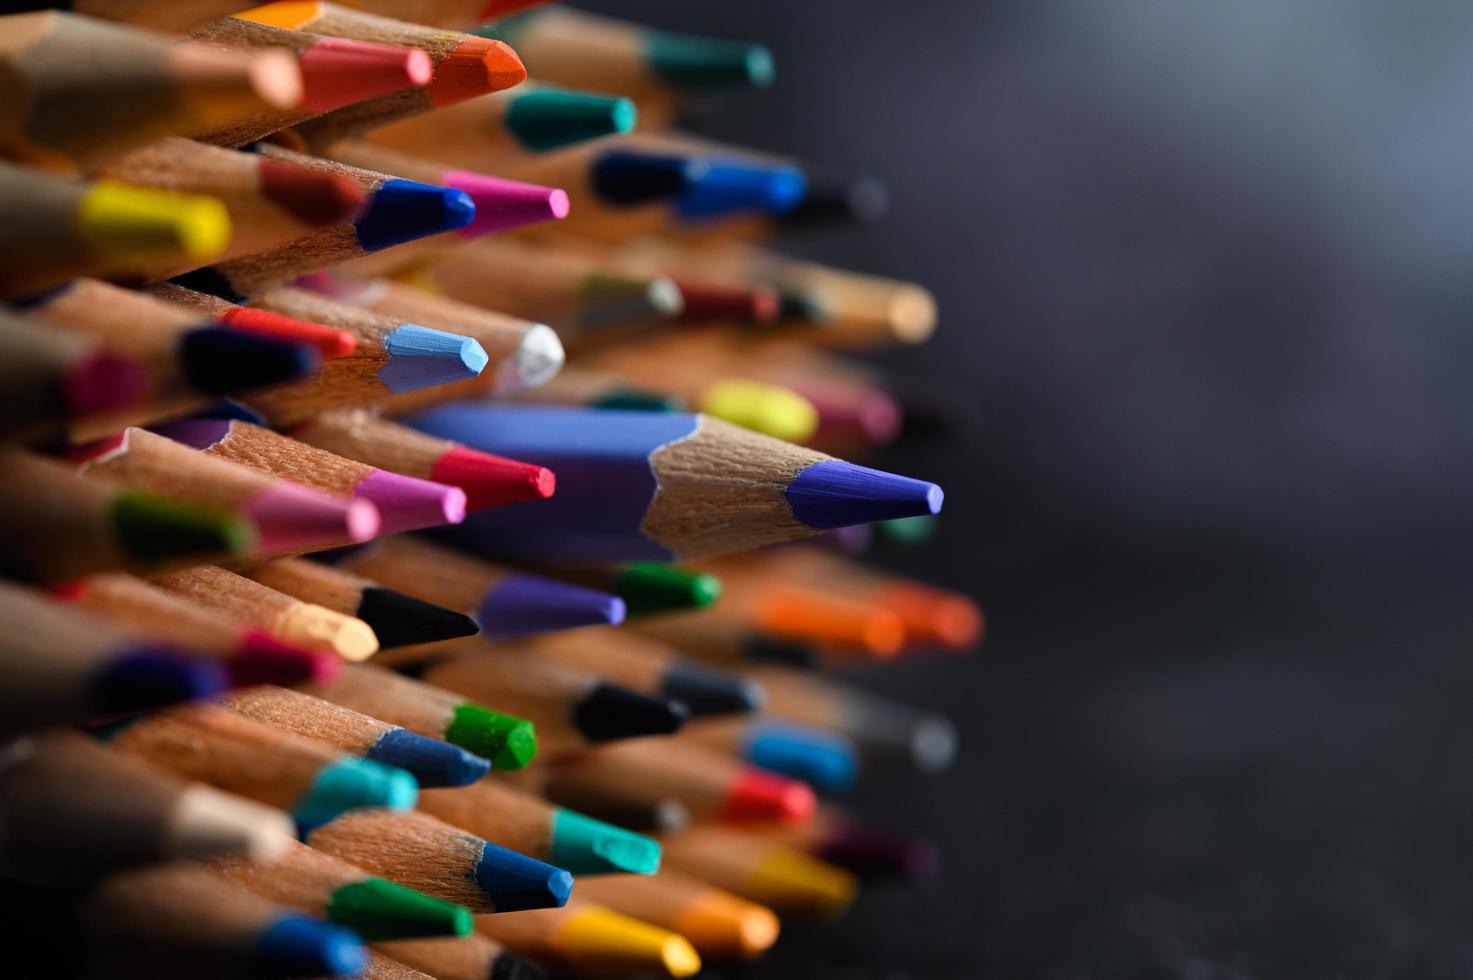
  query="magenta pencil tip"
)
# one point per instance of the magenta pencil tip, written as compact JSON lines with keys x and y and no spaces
{"x":505,"y":204}
{"x":288,"y":517}
{"x":406,"y":503}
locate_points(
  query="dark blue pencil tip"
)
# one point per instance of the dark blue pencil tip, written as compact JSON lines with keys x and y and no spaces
{"x":403,"y":210}
{"x":149,"y":677}
{"x":523,"y":604}
{"x":433,"y":762}
{"x":219,"y":360}
{"x":515,"y":882}
{"x":622,"y":177}
{"x":721,"y":187}
{"x":834,"y":493}
{"x":826,"y":760}
{"x":298,"y":946}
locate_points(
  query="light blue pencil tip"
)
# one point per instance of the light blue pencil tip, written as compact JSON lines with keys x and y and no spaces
{"x":422,"y":357}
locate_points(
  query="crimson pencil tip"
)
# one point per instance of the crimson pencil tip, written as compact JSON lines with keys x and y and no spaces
{"x":338,"y":71}
{"x":492,"y":481}
{"x":313,"y":198}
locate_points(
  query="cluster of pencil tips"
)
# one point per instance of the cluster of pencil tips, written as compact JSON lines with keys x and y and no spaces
{"x":347,"y":630}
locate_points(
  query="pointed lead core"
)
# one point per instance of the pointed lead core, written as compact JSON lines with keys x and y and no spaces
{"x":403,"y":210}
{"x":295,"y":945}
{"x":492,"y":481}
{"x":758,"y":796}
{"x":434,"y":763}
{"x":550,"y":118}
{"x":833,"y":493}
{"x":609,"y":712}
{"x":605,"y":943}
{"x":340,"y":71}
{"x":515,"y":882}
{"x":523,"y":604}
{"x":400,"y":620}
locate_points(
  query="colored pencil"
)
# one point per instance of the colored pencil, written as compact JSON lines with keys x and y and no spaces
{"x":648,"y":665}
{"x":836,"y":837}
{"x":56,"y":229}
{"x":647,"y":587}
{"x":182,"y":15}
{"x":249,"y":655}
{"x":426,"y":854}
{"x":878,"y":725}
{"x":245,"y":602}
{"x":570,"y":708}
{"x":191,"y":359}
{"x":56,"y":526}
{"x":62,"y":665}
{"x":50,"y":382}
{"x":286,"y":517}
{"x":501,"y":205}
{"x":497,"y":129}
{"x":74,"y":809}
{"x":522,"y":822}
{"x":311,"y":782}
{"x":507,"y":741}
{"x":395,"y":618}
{"x":375,"y":909}
{"x":335,"y":72}
{"x":663,"y":486}
{"x":431,"y":761}
{"x":488,"y":481}
{"x":718,"y":924}
{"x":505,"y":603}
{"x":404,"y":503}
{"x":589,"y":940}
{"x":817,"y":756}
{"x":711,"y":786}
{"x":657,"y":814}
{"x":331,"y":342}
{"x":383,"y":967}
{"x":474,"y":957}
{"x":584,"y":387}
{"x":464,"y":66}
{"x":181,"y":920}
{"x":270,"y":202}
{"x":121,"y":87}
{"x":787,"y":881}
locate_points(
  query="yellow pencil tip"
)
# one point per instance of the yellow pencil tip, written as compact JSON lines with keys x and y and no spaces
{"x":319,"y":628}
{"x":120,"y":221}
{"x":725,"y":927}
{"x":792,"y":882}
{"x":616,"y":945}
{"x":765,"y":408}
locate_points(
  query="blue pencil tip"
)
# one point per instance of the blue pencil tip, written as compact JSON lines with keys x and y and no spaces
{"x":516,"y":882}
{"x":219,"y":360}
{"x":621,"y":177}
{"x":433,"y":762}
{"x":725,"y":186}
{"x":826,"y":760}
{"x":149,"y":677}
{"x":422,"y":357}
{"x":403,"y":210}
{"x":523,"y":604}
{"x":834,"y":493}
{"x":298,"y":946}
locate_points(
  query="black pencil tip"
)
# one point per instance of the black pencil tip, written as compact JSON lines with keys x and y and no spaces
{"x":609,"y":712}
{"x":399,"y":620}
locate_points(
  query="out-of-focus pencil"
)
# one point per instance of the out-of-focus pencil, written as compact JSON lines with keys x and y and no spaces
{"x":652,"y":814}
{"x":474,"y":957}
{"x":80,"y":91}
{"x":431,"y":761}
{"x":310,"y":781}
{"x":404,"y":503}
{"x":647,"y":587}
{"x":74,"y":809}
{"x":509,"y":742}
{"x":488,"y":481}
{"x":182,"y":15}
{"x":56,"y":526}
{"x":429,"y":855}
{"x":589,"y":940}
{"x":818,"y":756}
{"x":330,"y":341}
{"x":250,"y":655}
{"x":335,"y":72}
{"x":287,"y":518}
{"x":374,"y":908}
{"x":245,"y":602}
{"x":839,"y":838}
{"x":583,"y":387}
{"x":785,"y":880}
{"x":718,"y":924}
{"x":56,"y":229}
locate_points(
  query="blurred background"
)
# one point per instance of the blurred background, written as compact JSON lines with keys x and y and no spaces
{"x":1208,"y":273}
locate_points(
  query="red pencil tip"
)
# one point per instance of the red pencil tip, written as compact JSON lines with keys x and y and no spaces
{"x":263,"y":659}
{"x":330,"y":341}
{"x":705,"y":303}
{"x":102,"y":382}
{"x":312,"y":198}
{"x":491,"y":481}
{"x":760,"y":796}
{"x":338,"y":72}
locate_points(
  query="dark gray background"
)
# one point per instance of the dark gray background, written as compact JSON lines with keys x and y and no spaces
{"x":1207,"y":269}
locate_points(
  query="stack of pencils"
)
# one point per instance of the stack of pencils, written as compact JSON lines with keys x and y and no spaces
{"x":346,"y":630}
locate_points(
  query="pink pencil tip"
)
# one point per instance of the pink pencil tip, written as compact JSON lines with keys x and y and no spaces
{"x":407,"y":503}
{"x":289,"y":517}
{"x":260,"y":658}
{"x":338,"y":72}
{"x":505,"y":204}
{"x":102,"y":382}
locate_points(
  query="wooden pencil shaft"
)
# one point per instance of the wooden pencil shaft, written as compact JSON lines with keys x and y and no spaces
{"x":411,"y":848}
{"x":427,"y":571}
{"x":136,"y":605}
{"x":650,"y":770}
{"x":300,"y":877}
{"x":470,"y":957}
{"x":311,"y":582}
{"x":234,"y":597}
{"x":303,"y":715}
{"x":389,"y":697}
{"x":497,"y":813}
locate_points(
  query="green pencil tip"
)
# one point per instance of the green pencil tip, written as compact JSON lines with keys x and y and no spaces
{"x":652,"y":587}
{"x":639,"y":400}
{"x":908,"y":531}
{"x":549,"y":118}
{"x":705,"y":63}
{"x":154,"y":529}
{"x":377,"y":910}
{"x":509,"y":742}
{"x":586,"y":846}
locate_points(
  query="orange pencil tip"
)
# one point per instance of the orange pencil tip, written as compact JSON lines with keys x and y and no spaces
{"x":478,"y":66}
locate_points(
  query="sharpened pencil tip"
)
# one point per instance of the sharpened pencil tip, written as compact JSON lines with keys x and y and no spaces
{"x":406,"y":503}
{"x":350,"y":783}
{"x":289,"y":517}
{"x":295,"y":945}
{"x":329,"y":341}
{"x":821,"y":758}
{"x":155,"y":529}
{"x":478,"y":65}
{"x":652,"y":587}
{"x":610,"y":712}
{"x":707,"y":691}
{"x":339,"y":71}
{"x":505,"y":204}
{"x":769,"y":409}
{"x":435,"y":763}
{"x":380,"y":910}
{"x":492,"y":481}
{"x":509,"y":742}
{"x":262,"y":659}
{"x":599,"y":935}
{"x":719,"y":187}
{"x":403,"y":210}
{"x":516,"y":882}
{"x":423,"y":357}
{"x":150,"y":677}
{"x":759,"y":796}
{"x":315,"y":199}
{"x":691,"y":62}
{"x":221,"y":360}
{"x":519,"y":605}
{"x":119,"y":221}
{"x":536,"y":361}
{"x":586,"y":846}
{"x":400,"y":620}
{"x":102,"y":382}
{"x":834,"y":493}
{"x":550,"y":118}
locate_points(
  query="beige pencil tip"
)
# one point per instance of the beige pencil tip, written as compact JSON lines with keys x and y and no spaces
{"x":317,"y":628}
{"x":207,"y":822}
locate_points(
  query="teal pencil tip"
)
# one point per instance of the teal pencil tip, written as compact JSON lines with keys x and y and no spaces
{"x":351,"y":783}
{"x":708,"y":63}
{"x":586,"y":846}
{"x":549,"y":118}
